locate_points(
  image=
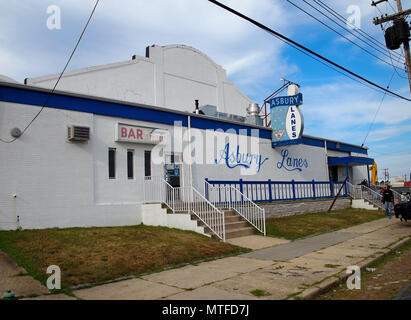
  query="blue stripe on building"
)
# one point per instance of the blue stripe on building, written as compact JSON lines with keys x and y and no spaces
{"x":122,"y":110}
{"x":105,"y":107}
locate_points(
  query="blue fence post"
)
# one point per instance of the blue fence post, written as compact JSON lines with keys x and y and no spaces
{"x":331,"y":189}
{"x":313,"y":189}
{"x":241,"y":185}
{"x":293,"y":185}
{"x":269,"y":190}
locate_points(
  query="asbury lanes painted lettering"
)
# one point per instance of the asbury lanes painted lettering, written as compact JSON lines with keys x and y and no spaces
{"x":234,"y":159}
{"x":290,"y":163}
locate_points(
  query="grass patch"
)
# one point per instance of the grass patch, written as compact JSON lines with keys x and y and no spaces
{"x":260,"y":293}
{"x":299,"y":226}
{"x":93,"y":255}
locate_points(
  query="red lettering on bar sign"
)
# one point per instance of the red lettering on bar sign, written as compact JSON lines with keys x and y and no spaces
{"x":124,"y":132}
{"x":131,"y":133}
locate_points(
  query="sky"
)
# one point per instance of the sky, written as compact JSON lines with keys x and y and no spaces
{"x":335,"y":107}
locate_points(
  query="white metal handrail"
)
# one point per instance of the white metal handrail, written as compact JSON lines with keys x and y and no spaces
{"x":246,"y":208}
{"x":398,"y":197}
{"x":189,"y":199}
{"x":232,"y":198}
{"x":156,"y":189}
{"x":185,"y":199}
{"x":363,"y":192}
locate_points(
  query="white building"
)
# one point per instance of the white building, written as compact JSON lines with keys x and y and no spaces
{"x":170,"y":77}
{"x":49,"y":180}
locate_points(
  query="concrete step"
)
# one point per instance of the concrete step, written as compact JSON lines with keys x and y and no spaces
{"x":235,"y":225}
{"x":230,"y":213}
{"x":230,"y":219}
{"x":229,"y":234}
{"x":372,"y":205}
{"x":231,"y":222}
{"x":164,"y":206}
{"x":231,"y":226}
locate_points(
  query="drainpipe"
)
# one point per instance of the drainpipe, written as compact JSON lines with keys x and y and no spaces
{"x":326,"y":159}
{"x":368,"y":172}
{"x":190,"y":170}
{"x":348,"y":176}
{"x":15,"y":211}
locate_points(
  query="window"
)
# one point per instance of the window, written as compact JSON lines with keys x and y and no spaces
{"x":147,"y":163}
{"x":112,"y":163}
{"x":130,"y":164}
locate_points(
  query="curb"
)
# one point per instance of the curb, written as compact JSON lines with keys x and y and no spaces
{"x":332,"y":281}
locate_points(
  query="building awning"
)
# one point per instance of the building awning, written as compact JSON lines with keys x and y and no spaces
{"x":353,"y":161}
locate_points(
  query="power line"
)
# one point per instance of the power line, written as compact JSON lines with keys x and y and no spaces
{"x":288,"y":41}
{"x":328,"y":66}
{"x":339,"y":33}
{"x":367,"y":41}
{"x":391,"y":6}
{"x":395,"y":69}
{"x":58,"y":80}
{"x":357,"y":30}
{"x":378,"y":110}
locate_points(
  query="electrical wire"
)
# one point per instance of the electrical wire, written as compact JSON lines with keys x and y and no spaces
{"x":340,"y":34}
{"x":58,"y":80}
{"x":383,"y":50}
{"x":330,"y":67}
{"x":388,"y":1}
{"x":378,"y":110}
{"x":290,"y":41}
{"x":357,"y":30}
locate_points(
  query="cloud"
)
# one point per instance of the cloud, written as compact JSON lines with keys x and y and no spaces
{"x":345,"y":104}
{"x":389,"y":132}
{"x":399,"y":164}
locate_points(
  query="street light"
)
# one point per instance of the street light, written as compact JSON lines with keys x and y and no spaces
{"x":288,"y":82}
{"x":292,"y":88}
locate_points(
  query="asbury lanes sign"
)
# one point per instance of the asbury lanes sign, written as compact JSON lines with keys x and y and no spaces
{"x":294,"y":122}
{"x":286,"y":120}
{"x":287,"y":101}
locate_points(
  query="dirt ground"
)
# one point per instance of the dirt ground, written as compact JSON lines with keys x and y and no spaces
{"x":381,"y":281}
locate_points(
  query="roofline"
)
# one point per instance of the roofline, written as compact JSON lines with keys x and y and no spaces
{"x":140,"y":105}
{"x":335,"y":141}
{"x":151,"y":107}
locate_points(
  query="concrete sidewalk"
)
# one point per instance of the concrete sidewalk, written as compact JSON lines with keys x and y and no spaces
{"x":16,"y":278}
{"x":298,"y":269}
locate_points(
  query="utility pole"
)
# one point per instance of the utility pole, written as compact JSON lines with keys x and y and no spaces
{"x":400,"y":15}
{"x":386,"y":174}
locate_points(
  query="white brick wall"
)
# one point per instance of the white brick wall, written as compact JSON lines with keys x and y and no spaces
{"x":65,"y":184}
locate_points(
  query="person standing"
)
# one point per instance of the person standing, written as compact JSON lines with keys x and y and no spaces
{"x":388,"y":200}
